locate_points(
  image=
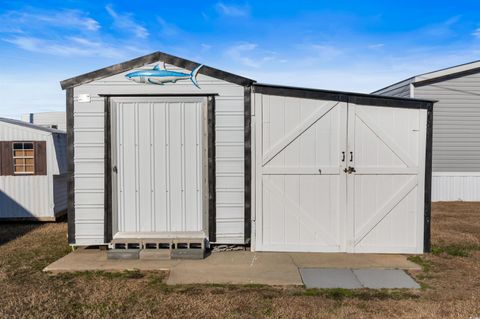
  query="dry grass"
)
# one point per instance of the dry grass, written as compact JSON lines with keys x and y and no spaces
{"x":451,"y":281}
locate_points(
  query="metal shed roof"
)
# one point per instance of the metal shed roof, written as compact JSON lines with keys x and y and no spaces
{"x":441,"y":75}
{"x":351,"y":97}
{"x":152,"y":58}
{"x":31,"y":126}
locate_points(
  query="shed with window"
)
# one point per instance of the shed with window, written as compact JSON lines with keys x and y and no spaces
{"x":33,"y":167}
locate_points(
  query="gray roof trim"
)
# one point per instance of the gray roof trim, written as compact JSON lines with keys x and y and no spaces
{"x":31,"y":126}
{"x":350,"y":97}
{"x":394,"y":86}
{"x":151,"y":58}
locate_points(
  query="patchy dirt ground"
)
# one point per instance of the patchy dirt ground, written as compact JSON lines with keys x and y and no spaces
{"x":450,"y":279}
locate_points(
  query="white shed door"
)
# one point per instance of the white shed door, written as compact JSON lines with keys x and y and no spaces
{"x":386,"y":191}
{"x":158,"y":143}
{"x":309,"y":200}
{"x":303,"y":186}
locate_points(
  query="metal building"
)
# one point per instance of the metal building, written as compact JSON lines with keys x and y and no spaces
{"x":33,"y":171}
{"x":56,"y":120}
{"x":163,"y":147}
{"x":456,"y":127}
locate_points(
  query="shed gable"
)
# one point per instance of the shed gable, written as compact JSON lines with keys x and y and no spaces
{"x":89,"y":140}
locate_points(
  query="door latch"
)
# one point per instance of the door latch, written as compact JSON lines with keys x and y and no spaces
{"x":349,"y":170}
{"x":114,"y":169}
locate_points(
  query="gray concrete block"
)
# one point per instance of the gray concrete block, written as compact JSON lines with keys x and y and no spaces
{"x":187,"y":254}
{"x":385,"y":278}
{"x":123,"y":254}
{"x":329,"y":278}
{"x":155,"y":254}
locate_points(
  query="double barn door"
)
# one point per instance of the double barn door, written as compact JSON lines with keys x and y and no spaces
{"x":338,"y":177}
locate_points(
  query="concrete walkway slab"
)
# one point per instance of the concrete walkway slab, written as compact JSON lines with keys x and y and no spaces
{"x":329,"y":278}
{"x":344,"y":260}
{"x":235,"y":267}
{"x":241,"y":267}
{"x":385,"y":278}
{"x":356,"y":278}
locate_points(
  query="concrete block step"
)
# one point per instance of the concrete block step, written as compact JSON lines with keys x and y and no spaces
{"x":161,"y":248}
{"x":155,"y":254}
{"x":123,"y":254}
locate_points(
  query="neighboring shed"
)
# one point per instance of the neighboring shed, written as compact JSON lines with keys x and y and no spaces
{"x":456,"y":127}
{"x":163,"y":150}
{"x":33,"y":172}
{"x":56,"y":120}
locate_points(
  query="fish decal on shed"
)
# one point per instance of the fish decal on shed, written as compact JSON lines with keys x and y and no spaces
{"x":160,"y":76}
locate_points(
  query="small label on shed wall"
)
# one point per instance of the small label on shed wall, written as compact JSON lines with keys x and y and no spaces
{"x":84,"y":98}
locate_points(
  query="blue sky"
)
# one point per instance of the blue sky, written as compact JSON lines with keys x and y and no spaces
{"x":343,"y":45}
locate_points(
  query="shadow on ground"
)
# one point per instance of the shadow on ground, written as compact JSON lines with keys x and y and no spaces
{"x":13,"y":230}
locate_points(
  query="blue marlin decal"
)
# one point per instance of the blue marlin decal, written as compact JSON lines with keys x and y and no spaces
{"x":161,"y":76}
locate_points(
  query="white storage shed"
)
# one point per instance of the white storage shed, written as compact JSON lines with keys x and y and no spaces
{"x":456,"y":127}
{"x":33,"y":172}
{"x":163,"y":147}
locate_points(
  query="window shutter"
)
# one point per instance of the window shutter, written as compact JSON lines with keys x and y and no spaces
{"x":6,"y":158}
{"x":41,"y":158}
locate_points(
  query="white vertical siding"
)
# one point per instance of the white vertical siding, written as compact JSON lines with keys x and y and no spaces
{"x":456,"y":186}
{"x":25,"y":197}
{"x":456,"y":123}
{"x":229,"y":140}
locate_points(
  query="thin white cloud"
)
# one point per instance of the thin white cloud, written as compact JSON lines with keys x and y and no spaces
{"x":442,"y":29}
{"x":232,"y":10}
{"x":126,"y":22}
{"x":72,"y":46}
{"x":14,"y":21}
{"x":248,"y":54}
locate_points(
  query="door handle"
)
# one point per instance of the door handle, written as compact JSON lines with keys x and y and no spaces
{"x":114,"y":169}
{"x":343,"y":156}
{"x":351,"y":156}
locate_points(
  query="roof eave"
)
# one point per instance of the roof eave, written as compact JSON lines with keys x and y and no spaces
{"x":151,"y":58}
{"x":422,"y":80}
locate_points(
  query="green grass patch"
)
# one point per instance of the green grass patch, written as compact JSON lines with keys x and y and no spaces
{"x":340,"y":294}
{"x":455,"y":250}
{"x":419,"y":260}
